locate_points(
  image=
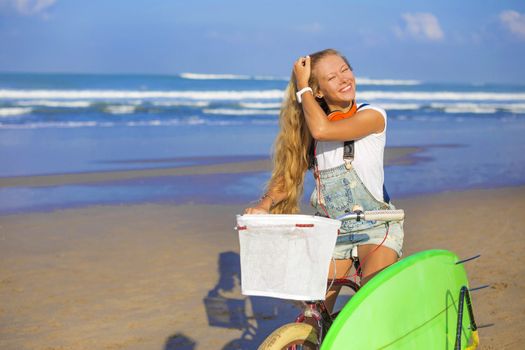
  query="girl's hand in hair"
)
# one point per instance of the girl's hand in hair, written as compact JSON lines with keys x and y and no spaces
{"x":302,"y":70}
{"x":256,"y":210}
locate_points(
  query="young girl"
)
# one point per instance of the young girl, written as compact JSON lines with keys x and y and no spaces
{"x":318,"y":117}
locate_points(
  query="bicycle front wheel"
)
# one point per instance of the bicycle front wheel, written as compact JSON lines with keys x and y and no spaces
{"x":300,"y":335}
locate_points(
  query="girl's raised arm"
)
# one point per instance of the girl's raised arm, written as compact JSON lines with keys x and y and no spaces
{"x":364,"y":123}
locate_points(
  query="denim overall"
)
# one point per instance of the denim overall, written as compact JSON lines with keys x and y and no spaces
{"x":340,"y":190}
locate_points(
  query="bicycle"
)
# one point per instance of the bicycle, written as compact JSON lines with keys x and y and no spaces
{"x":312,"y":324}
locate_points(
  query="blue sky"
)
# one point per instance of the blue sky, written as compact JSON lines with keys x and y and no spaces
{"x":446,"y":40}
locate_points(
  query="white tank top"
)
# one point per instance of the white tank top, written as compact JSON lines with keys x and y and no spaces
{"x":368,"y":157}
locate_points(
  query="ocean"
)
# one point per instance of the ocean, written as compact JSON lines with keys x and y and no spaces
{"x":469,"y":135}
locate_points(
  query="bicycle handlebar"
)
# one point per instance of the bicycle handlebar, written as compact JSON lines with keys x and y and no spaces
{"x":374,"y":215}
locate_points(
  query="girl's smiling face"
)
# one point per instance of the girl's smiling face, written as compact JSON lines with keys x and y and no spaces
{"x":336,"y":82}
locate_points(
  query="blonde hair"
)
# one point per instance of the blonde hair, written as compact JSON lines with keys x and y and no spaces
{"x":292,"y":157}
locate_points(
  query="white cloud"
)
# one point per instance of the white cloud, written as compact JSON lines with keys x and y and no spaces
{"x":26,"y":7}
{"x":514,"y":22}
{"x":423,"y":26}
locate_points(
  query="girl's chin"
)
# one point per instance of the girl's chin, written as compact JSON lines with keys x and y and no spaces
{"x":348,"y":96}
{"x":345,"y":98}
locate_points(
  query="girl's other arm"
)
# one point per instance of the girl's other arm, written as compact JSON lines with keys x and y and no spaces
{"x":268,"y":200}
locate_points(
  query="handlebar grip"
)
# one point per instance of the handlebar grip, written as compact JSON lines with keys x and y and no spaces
{"x":384,"y":215}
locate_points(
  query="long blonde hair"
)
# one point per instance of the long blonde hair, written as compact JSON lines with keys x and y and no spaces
{"x":291,"y":157}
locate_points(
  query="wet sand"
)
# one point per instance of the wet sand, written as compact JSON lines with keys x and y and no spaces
{"x":393,"y":156}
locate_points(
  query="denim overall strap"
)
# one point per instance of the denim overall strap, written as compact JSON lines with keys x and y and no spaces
{"x":348,"y":146}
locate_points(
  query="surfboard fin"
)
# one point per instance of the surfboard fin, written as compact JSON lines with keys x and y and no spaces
{"x":478,"y":288}
{"x":486,"y":325}
{"x":467,"y":259}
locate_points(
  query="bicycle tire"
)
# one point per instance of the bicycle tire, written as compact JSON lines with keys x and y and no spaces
{"x":291,"y":334}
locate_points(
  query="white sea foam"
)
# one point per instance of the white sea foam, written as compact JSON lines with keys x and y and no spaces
{"x":199,"y":76}
{"x":120,"y":109}
{"x":480,"y":108}
{"x":42,"y":125}
{"x":360,"y":80}
{"x":12,"y":111}
{"x":47,"y":103}
{"x":251,"y":95}
{"x":169,"y":122}
{"x":90,"y":124}
{"x":264,"y":77}
{"x":368,"y":81}
{"x":465,"y":108}
{"x":260,"y":105}
{"x":441,"y":95}
{"x":518,"y":108}
{"x":223,"y":123}
{"x":400,"y":106}
{"x":470,"y":109}
{"x":181,"y":103}
{"x":154,"y":122}
{"x":225,"y":111}
{"x":134,"y":94}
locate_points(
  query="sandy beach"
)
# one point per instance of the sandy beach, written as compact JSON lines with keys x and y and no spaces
{"x":137,"y":276}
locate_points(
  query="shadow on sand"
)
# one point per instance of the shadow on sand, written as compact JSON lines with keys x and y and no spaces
{"x":256,"y":316}
{"x":179,"y":341}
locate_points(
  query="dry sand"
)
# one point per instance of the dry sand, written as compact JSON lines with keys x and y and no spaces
{"x":135,"y":277}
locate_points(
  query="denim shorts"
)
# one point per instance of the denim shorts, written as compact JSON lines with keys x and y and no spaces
{"x":348,"y":242}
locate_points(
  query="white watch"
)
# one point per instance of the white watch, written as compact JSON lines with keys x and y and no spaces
{"x":301,"y":92}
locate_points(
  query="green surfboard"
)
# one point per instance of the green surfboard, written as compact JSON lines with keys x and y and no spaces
{"x":412,"y":304}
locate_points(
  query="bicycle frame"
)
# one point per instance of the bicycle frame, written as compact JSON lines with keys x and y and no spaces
{"x":317,"y":310}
